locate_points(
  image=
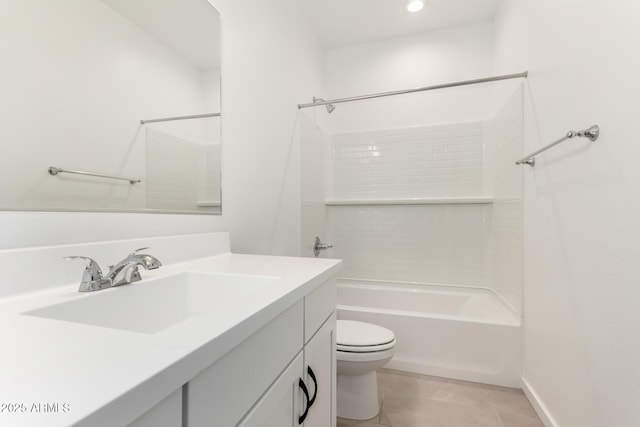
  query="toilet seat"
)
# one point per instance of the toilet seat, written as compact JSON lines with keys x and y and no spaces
{"x":364,"y":358}
{"x":366,"y":349}
{"x":360,"y":337}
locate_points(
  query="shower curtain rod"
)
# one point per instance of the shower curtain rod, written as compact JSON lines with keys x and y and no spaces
{"x":420,"y":89}
{"x":169,"y":119}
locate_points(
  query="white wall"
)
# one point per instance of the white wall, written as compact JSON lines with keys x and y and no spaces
{"x":436,"y":57}
{"x":582,"y":205}
{"x":270,"y":63}
{"x":503,"y":141}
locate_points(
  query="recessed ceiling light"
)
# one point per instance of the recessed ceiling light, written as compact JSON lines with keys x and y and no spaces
{"x":414,"y":5}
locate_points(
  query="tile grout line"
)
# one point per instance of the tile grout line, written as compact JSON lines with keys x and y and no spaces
{"x":379,"y":417}
{"x":499,"y":417}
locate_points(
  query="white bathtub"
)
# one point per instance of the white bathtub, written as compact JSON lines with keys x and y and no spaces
{"x":454,"y":332}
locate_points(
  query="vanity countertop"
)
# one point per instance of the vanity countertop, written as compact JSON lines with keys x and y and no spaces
{"x":59,"y":373}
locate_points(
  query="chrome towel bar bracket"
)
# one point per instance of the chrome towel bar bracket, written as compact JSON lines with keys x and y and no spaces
{"x":592,"y":134}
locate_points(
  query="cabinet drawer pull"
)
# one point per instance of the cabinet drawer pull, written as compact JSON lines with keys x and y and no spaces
{"x":302,"y":385}
{"x":315,"y":385}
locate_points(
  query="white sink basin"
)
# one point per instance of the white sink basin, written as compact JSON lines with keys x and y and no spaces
{"x":153,"y":305}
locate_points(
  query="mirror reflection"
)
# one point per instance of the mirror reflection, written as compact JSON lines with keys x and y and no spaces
{"x":85,"y":84}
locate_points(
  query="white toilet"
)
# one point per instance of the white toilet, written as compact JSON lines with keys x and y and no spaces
{"x":361,"y":349}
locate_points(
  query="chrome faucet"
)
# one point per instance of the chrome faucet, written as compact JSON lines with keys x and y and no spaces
{"x":92,"y":279}
{"x":124,"y":272}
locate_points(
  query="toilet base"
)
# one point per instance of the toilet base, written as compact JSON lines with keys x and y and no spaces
{"x":357,"y":396}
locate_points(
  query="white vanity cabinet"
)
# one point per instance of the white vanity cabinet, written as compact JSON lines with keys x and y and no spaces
{"x":260,"y":381}
{"x":319,"y":354}
{"x":279,"y":406}
{"x":319,"y":358}
{"x":167,"y":413}
{"x":284,"y":403}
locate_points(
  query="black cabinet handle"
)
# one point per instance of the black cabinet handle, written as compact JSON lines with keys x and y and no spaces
{"x":315,"y":385}
{"x":306,"y":395}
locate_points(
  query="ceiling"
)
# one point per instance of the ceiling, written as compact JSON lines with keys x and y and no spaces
{"x":347,"y":22}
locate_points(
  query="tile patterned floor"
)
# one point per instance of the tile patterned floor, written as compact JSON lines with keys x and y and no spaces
{"x":412,"y":400}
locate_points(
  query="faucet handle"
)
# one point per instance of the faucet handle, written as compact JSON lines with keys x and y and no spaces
{"x":149,"y":262}
{"x":92,"y":279}
{"x":92,"y":268}
{"x":138,"y":250}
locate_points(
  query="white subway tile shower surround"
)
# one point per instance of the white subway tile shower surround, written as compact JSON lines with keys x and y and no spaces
{"x":175,"y":172}
{"x":505,"y":252}
{"x":465,"y":244}
{"x":172,"y":166}
{"x":209,"y":176}
{"x":424,"y":161}
{"x":457,"y":244}
{"x":428,"y":244}
{"x":504,"y":145}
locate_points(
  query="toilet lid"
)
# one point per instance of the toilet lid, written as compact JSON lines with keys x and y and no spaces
{"x":362,"y":337}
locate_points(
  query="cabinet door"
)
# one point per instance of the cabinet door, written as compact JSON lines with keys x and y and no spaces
{"x":281,"y":404}
{"x":320,"y":359}
{"x":224,"y":392}
{"x":167,"y":413}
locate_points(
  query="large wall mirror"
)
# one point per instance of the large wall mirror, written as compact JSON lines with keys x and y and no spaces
{"x":83,"y":85}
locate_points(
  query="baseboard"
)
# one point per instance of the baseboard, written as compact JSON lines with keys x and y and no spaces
{"x":504,"y":379}
{"x":538,"y":405}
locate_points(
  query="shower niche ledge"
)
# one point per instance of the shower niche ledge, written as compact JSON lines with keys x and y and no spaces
{"x":411,"y":201}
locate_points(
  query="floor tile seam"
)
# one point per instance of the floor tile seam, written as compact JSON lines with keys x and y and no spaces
{"x":486,"y":391}
{"x":498,"y":403}
{"x":462,"y":405}
{"x":498,"y":418}
{"x":517,"y":413}
{"x":484,"y":386}
{"x":485,"y":397}
{"x":488,"y":406}
{"x":493,"y":416}
{"x":379,"y":416}
{"x":521,"y":415}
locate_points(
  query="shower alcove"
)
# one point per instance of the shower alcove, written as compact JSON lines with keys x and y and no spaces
{"x":421,"y":199}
